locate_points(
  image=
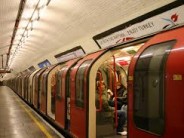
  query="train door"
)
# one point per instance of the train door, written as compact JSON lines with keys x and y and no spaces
{"x":156,"y":88}
{"x":31,"y":87}
{"x":33,"y":82}
{"x":19,"y":86}
{"x":43,"y":91}
{"x":79,"y":101}
{"x":111,"y":90}
{"x":26,"y":86}
{"x":60,"y":99}
{"x":36,"y":92}
{"x":22,"y":86}
{"x":51,"y":91}
{"x":44,"y":94}
{"x":63,"y":95}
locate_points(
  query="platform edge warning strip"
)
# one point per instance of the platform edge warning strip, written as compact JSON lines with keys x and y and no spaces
{"x":42,"y":128}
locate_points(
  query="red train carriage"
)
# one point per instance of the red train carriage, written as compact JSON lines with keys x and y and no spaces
{"x":62,"y":114}
{"x":156,"y":98}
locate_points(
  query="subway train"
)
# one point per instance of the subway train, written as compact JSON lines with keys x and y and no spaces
{"x":151,"y":69}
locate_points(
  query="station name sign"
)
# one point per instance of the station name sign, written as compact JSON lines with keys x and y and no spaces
{"x":151,"y":25}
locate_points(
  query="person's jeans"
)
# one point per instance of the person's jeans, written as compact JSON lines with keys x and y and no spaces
{"x":121,"y":120}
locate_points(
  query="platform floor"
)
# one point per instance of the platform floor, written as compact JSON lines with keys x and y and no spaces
{"x":18,"y":120}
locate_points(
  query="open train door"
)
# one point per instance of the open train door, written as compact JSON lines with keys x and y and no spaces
{"x":155,"y":88}
{"x":79,"y":102}
{"x":50,"y":97}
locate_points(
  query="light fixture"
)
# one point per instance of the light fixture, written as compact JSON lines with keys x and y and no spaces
{"x":38,"y":11}
{"x":25,"y":34}
{"x":31,"y":25}
{"x":48,"y":2}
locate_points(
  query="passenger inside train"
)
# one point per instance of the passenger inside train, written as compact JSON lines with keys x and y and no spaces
{"x":112,"y":73}
{"x":108,"y":110}
{"x":121,"y":96}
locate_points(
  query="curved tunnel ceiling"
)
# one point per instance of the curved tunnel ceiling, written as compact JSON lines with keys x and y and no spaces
{"x":60,"y":23}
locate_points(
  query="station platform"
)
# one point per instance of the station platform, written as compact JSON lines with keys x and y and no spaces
{"x":18,"y":120}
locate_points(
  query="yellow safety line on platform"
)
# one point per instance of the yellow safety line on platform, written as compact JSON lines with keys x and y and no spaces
{"x":36,"y":121}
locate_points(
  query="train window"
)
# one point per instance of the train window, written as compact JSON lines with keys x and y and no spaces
{"x":68,"y":84}
{"x":149,"y":88}
{"x":80,"y":83}
{"x":58,"y":85}
{"x":59,"y":82}
{"x":44,"y":84}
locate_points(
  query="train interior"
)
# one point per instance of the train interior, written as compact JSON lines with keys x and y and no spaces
{"x":113,"y":72}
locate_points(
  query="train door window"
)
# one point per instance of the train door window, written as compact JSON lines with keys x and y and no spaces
{"x":80,"y":83}
{"x":59,"y":82}
{"x":149,"y":88}
{"x":68,"y":84}
{"x":53,"y":92}
{"x":44,"y":84}
{"x":36,"y":83}
{"x":58,"y":85}
{"x":41,"y":85}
